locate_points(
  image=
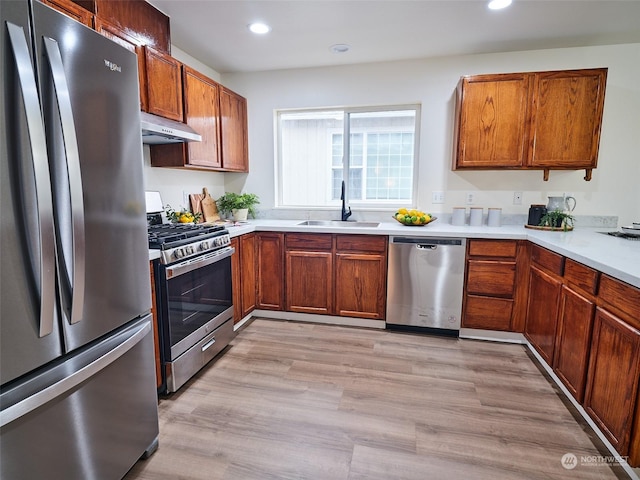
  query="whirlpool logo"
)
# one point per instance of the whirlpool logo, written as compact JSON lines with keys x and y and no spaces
{"x":114,"y":67}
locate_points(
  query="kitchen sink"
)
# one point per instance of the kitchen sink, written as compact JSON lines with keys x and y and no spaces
{"x":338,"y":223}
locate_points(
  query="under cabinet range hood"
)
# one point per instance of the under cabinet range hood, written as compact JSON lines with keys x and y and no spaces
{"x":158,"y":130}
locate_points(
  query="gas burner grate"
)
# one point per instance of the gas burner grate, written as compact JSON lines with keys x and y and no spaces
{"x":169,"y":232}
{"x":626,"y":236}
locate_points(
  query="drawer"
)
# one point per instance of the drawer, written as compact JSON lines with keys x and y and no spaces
{"x":547,"y":259}
{"x":581,"y":276}
{"x":621,"y":296}
{"x":493,"y":248}
{"x":487,"y":313}
{"x":308,"y":241}
{"x":361,"y":243}
{"x":494,"y":278}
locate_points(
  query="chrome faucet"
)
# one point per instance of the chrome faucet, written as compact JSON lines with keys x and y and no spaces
{"x":345,"y":213}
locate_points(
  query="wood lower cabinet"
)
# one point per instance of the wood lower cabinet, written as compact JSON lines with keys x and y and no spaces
{"x":512,"y":120}
{"x":233,"y":131}
{"x":614,"y":370}
{"x":542,"y":312}
{"x":164,"y":84}
{"x":243,"y":273}
{"x":270,"y":270}
{"x":493,"y":281}
{"x":573,"y":341}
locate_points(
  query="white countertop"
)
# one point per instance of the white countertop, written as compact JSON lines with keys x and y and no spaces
{"x":616,"y":257}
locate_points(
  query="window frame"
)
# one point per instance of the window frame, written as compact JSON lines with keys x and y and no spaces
{"x":346,"y":132}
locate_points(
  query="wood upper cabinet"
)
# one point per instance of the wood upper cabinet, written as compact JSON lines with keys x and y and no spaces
{"x":493,"y":282}
{"x":535,"y":120}
{"x":202,"y":113}
{"x":614,"y":370}
{"x":233,"y":131}
{"x":132,"y":44}
{"x":565,"y":130}
{"x":164,"y":84}
{"x":309,"y":273}
{"x":493,"y":113}
{"x":361,"y":276}
{"x":270,"y":270}
{"x":73,"y":10}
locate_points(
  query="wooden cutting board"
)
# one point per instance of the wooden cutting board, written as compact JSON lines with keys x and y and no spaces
{"x":209,"y":207}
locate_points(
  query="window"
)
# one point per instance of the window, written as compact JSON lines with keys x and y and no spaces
{"x":379,"y":169}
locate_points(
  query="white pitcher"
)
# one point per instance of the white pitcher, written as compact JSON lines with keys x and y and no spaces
{"x":561,"y":203}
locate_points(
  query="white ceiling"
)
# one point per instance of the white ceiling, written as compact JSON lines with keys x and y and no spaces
{"x":215,"y":31}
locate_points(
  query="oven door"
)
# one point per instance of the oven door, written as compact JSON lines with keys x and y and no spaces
{"x":197,"y":298}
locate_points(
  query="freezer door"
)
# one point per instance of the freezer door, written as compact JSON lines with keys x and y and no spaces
{"x":89,"y":91}
{"x":28,"y":335}
{"x":91,"y":417}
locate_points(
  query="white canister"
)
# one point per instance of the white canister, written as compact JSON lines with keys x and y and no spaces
{"x":458,"y":216}
{"x":494,"y":218}
{"x":475,"y":217}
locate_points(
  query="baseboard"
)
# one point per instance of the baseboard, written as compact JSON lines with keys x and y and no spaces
{"x":313,"y":318}
{"x":492,"y":335}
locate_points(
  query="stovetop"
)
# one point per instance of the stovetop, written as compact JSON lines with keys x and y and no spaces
{"x":170,"y":235}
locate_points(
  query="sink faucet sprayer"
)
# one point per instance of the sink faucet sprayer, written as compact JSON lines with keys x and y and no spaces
{"x":345,"y":213}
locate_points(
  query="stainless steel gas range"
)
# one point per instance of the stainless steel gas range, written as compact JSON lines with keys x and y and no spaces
{"x":194,"y":297}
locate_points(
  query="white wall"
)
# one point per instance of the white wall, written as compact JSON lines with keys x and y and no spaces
{"x":174,"y":183}
{"x":614,"y":190}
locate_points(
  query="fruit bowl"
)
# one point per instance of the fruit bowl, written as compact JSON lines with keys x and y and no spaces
{"x":413,"y":218}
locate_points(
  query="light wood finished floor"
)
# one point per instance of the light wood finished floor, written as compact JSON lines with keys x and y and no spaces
{"x":306,"y":401}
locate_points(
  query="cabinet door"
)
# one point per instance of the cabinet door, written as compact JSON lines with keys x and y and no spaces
{"x":202,"y":112}
{"x":233,"y":131}
{"x":361,"y":281}
{"x":236,"y":281}
{"x":309,"y":281}
{"x":614,"y":370}
{"x":164,"y":85}
{"x":490,"y":277}
{"x":130,"y":43}
{"x":72,"y":10}
{"x":573,"y":341}
{"x":492,"y":121}
{"x":542,"y":312}
{"x":565,"y":129}
{"x":248,"y":246}
{"x":270,"y":271}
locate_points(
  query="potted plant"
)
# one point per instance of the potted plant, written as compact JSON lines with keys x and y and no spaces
{"x":557,"y":219}
{"x":238,"y":204}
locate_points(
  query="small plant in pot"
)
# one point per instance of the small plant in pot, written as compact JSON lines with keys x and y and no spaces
{"x":238,"y":205}
{"x":557,"y":219}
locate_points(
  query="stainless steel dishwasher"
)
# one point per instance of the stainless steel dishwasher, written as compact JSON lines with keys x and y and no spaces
{"x":424,"y":285}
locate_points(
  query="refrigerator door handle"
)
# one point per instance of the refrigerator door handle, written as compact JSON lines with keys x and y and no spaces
{"x":58,"y":389}
{"x":37,"y":141}
{"x":75,"y":180}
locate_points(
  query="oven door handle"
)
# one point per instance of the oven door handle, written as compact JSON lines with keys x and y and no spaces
{"x":198,"y":262}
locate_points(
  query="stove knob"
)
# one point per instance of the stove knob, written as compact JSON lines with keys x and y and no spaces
{"x":178,"y":253}
{"x":204,"y":246}
{"x":190,"y":250}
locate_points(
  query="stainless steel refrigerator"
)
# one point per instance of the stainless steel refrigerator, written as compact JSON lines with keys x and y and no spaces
{"x":77,"y":378}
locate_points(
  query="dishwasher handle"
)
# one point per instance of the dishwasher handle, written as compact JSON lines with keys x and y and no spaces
{"x":421,"y":246}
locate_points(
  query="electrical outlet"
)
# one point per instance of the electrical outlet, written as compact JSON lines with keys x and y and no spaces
{"x":470,"y":198}
{"x":517,"y":198}
{"x":437,"y":197}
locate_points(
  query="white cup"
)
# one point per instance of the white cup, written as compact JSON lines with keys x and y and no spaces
{"x":475,"y":217}
{"x":458,"y":216}
{"x":494,"y":218}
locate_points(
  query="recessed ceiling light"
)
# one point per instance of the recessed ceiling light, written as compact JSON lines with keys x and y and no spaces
{"x":340,"y":48}
{"x":259,"y":28}
{"x":499,"y":4}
